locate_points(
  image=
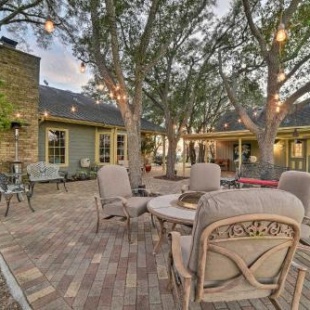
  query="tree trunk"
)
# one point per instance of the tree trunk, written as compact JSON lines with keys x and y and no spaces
{"x":134,"y":154}
{"x":171,"y":157}
{"x":201,"y":154}
{"x":192,"y":153}
{"x":265,"y":144}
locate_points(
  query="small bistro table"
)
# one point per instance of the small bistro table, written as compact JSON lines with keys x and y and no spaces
{"x":166,"y":209}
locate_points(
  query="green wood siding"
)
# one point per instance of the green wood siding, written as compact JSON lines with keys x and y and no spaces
{"x":81,"y":143}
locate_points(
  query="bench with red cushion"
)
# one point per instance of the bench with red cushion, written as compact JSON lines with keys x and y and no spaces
{"x":268,"y":183}
{"x":260,"y":173}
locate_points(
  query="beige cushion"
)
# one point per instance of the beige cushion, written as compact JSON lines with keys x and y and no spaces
{"x":205,"y":177}
{"x":113,"y":181}
{"x":217,"y":205}
{"x":136,"y":207}
{"x":297,"y":183}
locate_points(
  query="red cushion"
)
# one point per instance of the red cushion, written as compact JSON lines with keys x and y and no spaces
{"x":271,"y":183}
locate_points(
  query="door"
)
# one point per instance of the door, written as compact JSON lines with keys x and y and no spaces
{"x":297,"y":160}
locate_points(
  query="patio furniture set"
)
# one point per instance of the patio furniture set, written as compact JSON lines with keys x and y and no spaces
{"x":11,"y":184}
{"x":242,"y":243}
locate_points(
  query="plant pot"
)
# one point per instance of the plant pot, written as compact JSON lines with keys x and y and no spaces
{"x":148,"y":168}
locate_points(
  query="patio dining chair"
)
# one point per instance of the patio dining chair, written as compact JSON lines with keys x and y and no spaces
{"x":9,"y":189}
{"x":241,"y":247}
{"x":298,"y":183}
{"x":204,"y":177}
{"x":117,"y":200}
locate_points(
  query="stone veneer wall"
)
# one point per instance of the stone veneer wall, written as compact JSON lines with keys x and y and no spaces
{"x":20,"y":73}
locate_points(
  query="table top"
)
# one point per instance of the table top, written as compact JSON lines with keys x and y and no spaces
{"x":165,"y":207}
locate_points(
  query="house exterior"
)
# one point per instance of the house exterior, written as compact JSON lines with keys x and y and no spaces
{"x":59,"y":126}
{"x":229,"y":138}
{"x":75,"y":131}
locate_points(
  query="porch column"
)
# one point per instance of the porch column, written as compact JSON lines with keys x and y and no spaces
{"x":240,"y":152}
{"x":184,"y":158}
{"x":164,"y":152}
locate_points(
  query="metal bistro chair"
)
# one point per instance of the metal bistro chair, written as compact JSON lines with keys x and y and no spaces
{"x":8,"y":190}
{"x":117,"y":198}
{"x":242,"y":247}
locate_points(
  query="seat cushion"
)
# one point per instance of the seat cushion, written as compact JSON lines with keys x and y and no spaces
{"x":305,"y":233}
{"x":136,"y":207}
{"x":205,"y":177}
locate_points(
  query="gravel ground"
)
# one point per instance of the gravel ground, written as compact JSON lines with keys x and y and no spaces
{"x":6,"y":300}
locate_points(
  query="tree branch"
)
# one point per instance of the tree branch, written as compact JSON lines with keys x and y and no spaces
{"x":232,"y":97}
{"x":260,"y":39}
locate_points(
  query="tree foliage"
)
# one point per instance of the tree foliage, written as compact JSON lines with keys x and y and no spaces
{"x":250,"y":49}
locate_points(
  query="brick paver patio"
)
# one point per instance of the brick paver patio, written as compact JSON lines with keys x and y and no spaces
{"x":61,"y":263}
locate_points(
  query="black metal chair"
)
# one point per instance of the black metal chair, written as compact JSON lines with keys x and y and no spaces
{"x":9,"y":189}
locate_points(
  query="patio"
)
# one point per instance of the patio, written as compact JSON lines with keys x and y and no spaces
{"x":61,"y":263}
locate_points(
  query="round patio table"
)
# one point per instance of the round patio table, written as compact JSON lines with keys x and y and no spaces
{"x":166,"y":209}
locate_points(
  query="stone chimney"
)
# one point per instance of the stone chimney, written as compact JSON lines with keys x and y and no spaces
{"x":8,"y":42}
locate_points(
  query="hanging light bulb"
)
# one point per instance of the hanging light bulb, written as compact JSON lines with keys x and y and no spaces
{"x":100,"y":86}
{"x":45,"y":114}
{"x":281,"y":33}
{"x":73,"y":109}
{"x":276,"y":96}
{"x":117,"y":87}
{"x":111,"y":95}
{"x":281,"y":75}
{"x":49,"y":25}
{"x":239,"y":120}
{"x":124,"y":97}
{"x":82,"y":67}
{"x":278,"y":109}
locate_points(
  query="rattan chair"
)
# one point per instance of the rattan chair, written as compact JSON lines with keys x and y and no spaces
{"x":117,"y":200}
{"x":242,"y":246}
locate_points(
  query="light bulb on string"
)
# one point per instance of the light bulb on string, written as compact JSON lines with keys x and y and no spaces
{"x":49,"y":25}
{"x":82,"y":67}
{"x":281,"y":75}
{"x":281,"y":34}
{"x":111,"y":95}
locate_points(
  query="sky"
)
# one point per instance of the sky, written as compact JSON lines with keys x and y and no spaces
{"x":60,"y":69}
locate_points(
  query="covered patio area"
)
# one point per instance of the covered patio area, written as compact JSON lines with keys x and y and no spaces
{"x":61,"y":263}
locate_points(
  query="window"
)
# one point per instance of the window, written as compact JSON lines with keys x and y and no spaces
{"x":297,"y":149}
{"x":121,"y":147}
{"x":57,"y":146}
{"x":104,"y":148}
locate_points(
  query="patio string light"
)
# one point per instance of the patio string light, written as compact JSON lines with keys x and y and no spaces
{"x":49,"y":25}
{"x":281,"y":34}
{"x":82,"y":67}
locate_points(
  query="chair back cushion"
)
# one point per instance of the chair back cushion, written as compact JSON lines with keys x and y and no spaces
{"x":113,"y":181}
{"x":218,"y":205}
{"x":297,"y":183}
{"x":205,"y":177}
